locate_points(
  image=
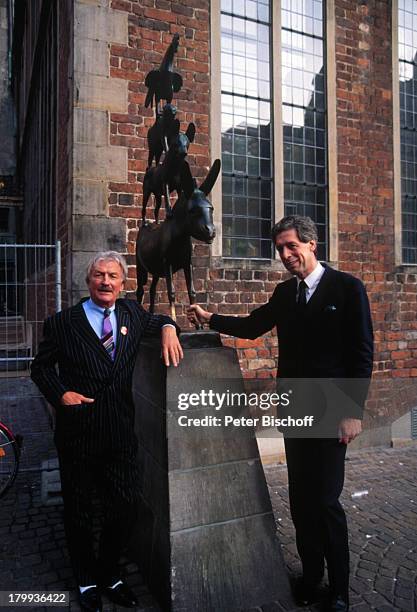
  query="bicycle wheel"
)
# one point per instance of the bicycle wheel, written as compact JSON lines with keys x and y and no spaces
{"x":9,"y":459}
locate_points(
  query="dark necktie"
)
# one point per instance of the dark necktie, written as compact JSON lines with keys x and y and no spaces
{"x":302,"y":297}
{"x":107,"y":334}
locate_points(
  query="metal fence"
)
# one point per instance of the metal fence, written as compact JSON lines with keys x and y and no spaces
{"x":30,"y":289}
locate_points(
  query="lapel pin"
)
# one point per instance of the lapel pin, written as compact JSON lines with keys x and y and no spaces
{"x":123,"y":330}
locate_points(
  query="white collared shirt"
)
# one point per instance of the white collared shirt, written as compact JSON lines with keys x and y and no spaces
{"x":95,"y":316}
{"x":312,"y":280}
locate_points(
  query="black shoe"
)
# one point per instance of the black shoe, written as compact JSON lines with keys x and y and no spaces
{"x":306,"y":594}
{"x":337,"y":604}
{"x":90,"y":600}
{"x":122,"y":595}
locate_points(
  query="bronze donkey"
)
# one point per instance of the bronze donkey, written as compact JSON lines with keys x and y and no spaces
{"x":163,"y":249}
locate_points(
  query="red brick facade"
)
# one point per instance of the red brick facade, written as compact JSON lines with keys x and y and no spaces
{"x":365,"y":162}
{"x":151,"y":26}
{"x":150,"y":32}
{"x":366,"y":188}
{"x":365,"y":174}
{"x":364,"y":168}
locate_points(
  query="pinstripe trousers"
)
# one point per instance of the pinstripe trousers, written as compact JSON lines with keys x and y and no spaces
{"x":101,"y":484}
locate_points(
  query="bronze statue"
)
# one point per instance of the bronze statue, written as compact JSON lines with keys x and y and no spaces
{"x":164,"y":248}
{"x":165,"y":177}
{"x":163,"y":82}
{"x":158,"y":133}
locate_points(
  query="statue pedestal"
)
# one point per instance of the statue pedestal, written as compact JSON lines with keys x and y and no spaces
{"x":206,"y":536}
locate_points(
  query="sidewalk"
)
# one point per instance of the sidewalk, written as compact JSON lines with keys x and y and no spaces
{"x":382,"y":523}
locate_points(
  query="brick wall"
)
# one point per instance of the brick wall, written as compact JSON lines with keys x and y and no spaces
{"x":365,"y":176}
{"x":151,"y":27}
{"x":366,"y":195}
{"x":150,"y":32}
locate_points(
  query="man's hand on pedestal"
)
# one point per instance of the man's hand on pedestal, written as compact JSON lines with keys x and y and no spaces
{"x":198,"y":315}
{"x":349,"y":429}
{"x":70,"y":398}
{"x":171,"y":348}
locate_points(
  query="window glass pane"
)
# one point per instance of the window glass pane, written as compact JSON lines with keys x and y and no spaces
{"x":407,"y":33}
{"x":304,"y":112}
{"x":246,"y":128}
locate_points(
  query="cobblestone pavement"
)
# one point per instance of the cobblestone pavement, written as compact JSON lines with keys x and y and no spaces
{"x":382,"y":523}
{"x":382,"y":526}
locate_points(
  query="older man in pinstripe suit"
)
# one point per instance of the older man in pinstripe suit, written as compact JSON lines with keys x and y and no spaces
{"x":94,"y":345}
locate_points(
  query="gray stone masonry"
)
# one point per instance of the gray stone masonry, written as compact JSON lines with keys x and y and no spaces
{"x":7,"y":120}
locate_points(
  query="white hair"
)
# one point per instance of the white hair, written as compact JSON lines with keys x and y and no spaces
{"x":107,"y":256}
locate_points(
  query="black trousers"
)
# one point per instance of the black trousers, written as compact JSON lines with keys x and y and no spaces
{"x":113,"y":475}
{"x":315,"y":480}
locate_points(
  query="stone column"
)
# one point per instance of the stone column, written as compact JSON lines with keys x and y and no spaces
{"x":95,"y":161}
{"x":206,"y":536}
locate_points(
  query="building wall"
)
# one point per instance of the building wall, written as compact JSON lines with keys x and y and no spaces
{"x":65,"y":143}
{"x":96,"y":164}
{"x":150,"y":32}
{"x":42,"y":88}
{"x":367,"y":236}
{"x":232,"y":288}
{"x":103,"y":129}
{"x":7,"y":122}
{"x":365,"y":178}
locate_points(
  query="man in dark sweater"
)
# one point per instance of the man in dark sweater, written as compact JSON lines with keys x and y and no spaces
{"x":324,"y":330}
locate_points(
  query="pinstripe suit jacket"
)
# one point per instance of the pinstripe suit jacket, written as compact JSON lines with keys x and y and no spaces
{"x":84,"y":366}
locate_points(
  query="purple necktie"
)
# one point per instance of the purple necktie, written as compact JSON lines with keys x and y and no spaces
{"x":107,"y":334}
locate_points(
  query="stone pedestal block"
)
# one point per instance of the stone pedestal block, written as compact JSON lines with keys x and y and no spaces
{"x":206,"y":536}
